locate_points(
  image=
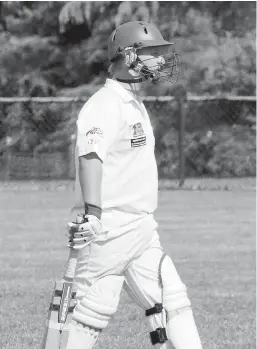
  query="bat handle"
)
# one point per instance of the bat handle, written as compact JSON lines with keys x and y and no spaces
{"x":71,"y":265}
{"x":72,"y":261}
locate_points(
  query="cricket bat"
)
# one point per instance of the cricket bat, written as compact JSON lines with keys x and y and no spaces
{"x":61,"y":308}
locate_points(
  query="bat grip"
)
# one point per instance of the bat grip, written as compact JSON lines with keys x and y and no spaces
{"x":71,"y":265}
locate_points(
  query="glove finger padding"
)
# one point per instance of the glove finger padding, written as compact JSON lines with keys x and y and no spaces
{"x":84,"y":233}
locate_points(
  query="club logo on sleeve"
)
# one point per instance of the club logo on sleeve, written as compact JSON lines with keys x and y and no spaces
{"x":138,"y":135}
{"x":95,"y":131}
{"x":94,"y":136}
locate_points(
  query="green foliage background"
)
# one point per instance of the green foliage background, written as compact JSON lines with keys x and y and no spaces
{"x":60,"y":48}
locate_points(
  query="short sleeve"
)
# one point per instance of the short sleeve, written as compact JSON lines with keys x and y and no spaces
{"x":97,"y":126}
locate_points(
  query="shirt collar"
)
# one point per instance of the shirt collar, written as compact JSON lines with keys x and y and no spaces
{"x":115,"y":86}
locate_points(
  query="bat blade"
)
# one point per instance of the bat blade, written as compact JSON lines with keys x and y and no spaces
{"x":61,"y":308}
{"x":51,"y":339}
{"x":52,"y":334}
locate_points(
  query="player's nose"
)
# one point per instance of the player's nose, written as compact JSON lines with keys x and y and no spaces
{"x":161,"y":60}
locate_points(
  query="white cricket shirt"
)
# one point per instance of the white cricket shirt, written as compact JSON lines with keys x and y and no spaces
{"x":116,"y":126}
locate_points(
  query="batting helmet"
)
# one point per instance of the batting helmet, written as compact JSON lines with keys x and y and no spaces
{"x":134,"y":34}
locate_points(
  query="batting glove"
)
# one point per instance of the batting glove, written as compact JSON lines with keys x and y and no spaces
{"x":84,"y":231}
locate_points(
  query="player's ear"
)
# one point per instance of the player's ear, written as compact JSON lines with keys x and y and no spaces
{"x":114,"y":68}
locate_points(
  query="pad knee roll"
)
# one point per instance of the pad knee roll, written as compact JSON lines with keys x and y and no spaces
{"x":175,"y":299}
{"x":94,"y":312}
{"x":80,"y":336}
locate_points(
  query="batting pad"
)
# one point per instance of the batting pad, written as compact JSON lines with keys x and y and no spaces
{"x":100,"y":302}
{"x":81,"y":337}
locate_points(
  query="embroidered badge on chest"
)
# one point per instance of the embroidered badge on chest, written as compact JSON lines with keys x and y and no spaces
{"x":138,"y":135}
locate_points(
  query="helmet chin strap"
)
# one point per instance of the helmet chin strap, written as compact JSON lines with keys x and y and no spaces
{"x":130,"y":81}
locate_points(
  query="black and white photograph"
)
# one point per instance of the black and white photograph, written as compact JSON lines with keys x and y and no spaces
{"x":128,"y":174}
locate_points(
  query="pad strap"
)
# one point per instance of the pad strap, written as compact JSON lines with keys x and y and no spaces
{"x":158,"y":336}
{"x":155,"y":310}
{"x":130,"y":81}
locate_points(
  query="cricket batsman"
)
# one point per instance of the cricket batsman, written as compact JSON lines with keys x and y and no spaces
{"x":116,"y":197}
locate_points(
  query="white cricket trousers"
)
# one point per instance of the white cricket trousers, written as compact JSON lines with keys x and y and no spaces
{"x":132,"y":258}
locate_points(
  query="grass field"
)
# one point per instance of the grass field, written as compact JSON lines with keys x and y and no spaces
{"x":209,"y":234}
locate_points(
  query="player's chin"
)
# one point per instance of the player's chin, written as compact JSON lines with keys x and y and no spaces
{"x":150,"y":80}
{"x":155,"y":81}
{"x":134,"y":74}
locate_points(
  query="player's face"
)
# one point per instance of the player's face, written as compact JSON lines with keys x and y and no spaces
{"x":161,"y":61}
{"x":151,"y":57}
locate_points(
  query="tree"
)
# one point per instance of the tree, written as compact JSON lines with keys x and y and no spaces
{"x":2,"y":17}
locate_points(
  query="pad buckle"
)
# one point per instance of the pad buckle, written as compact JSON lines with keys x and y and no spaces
{"x":158,"y":336}
{"x":155,"y":310}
